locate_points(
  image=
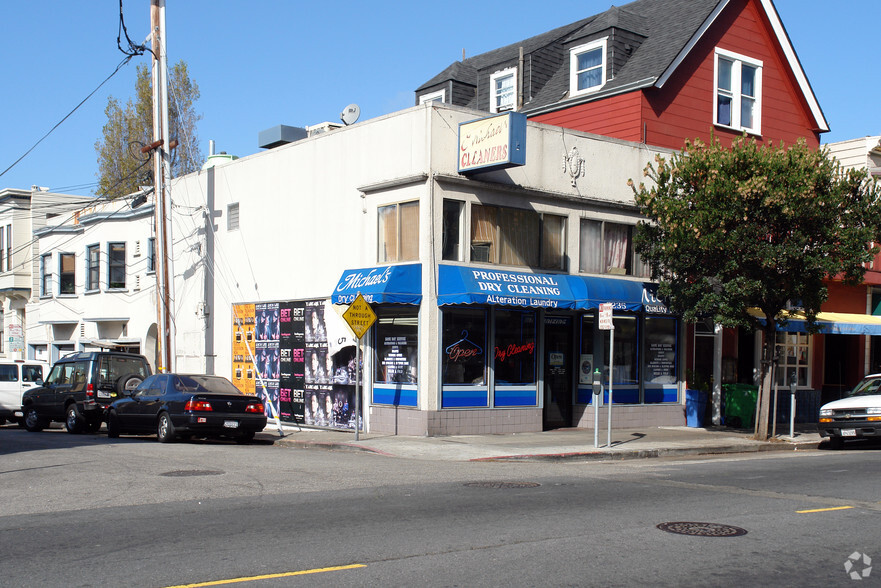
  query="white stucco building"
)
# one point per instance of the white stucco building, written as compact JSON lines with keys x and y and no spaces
{"x":486,"y":283}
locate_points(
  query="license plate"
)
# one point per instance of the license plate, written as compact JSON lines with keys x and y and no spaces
{"x":231,"y":424}
{"x":848,"y":432}
{"x":103,"y":394}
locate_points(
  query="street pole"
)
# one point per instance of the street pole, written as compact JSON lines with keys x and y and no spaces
{"x":162,"y":177}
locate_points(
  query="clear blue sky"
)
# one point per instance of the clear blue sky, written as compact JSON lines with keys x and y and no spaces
{"x":260,"y":63}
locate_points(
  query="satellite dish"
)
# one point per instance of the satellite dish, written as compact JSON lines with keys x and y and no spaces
{"x":350,"y":114}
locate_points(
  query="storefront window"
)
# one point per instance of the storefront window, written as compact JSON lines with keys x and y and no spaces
{"x":793,"y":353}
{"x":514,"y":353}
{"x":625,"y":376}
{"x":660,"y":360}
{"x":397,"y":335}
{"x":464,"y":347}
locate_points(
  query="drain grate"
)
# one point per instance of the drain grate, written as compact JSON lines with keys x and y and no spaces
{"x":190,"y":473}
{"x":502,"y":485}
{"x":702,"y":529}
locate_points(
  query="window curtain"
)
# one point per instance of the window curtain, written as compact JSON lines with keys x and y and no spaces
{"x":552,"y":235}
{"x":616,"y":246}
{"x":483,"y":232}
{"x":409,"y":214}
{"x":519,"y":237}
{"x":590,"y":250}
{"x":388,"y":235}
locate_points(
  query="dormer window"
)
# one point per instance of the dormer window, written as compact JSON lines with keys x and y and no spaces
{"x":503,"y":90}
{"x":738,"y":96}
{"x":587,"y":67}
{"x":438,"y":96}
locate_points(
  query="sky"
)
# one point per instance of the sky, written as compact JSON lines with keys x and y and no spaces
{"x":262,"y":63}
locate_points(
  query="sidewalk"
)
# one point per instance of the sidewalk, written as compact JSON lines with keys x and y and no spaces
{"x":563,"y":444}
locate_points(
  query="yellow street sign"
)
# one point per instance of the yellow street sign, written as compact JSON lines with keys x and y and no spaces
{"x":360,"y":316}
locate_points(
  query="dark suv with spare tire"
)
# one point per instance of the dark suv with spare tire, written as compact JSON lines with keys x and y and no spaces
{"x":79,"y":388}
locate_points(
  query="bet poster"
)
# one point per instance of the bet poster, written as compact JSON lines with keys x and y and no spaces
{"x":304,"y":361}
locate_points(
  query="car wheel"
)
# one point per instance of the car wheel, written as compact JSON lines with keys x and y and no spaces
{"x":112,"y":424}
{"x":165,"y":428}
{"x":245,"y":437}
{"x":33,"y":422}
{"x":129,"y":382}
{"x":836,"y":443}
{"x":73,"y":420}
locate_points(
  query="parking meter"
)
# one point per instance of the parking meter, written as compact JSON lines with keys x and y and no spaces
{"x":793,"y":382}
{"x":793,"y":385}
{"x":597,"y":382}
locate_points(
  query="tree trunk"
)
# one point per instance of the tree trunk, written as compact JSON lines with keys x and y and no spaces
{"x":763,"y":402}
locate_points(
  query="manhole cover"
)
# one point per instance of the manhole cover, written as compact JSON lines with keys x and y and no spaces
{"x":500,"y":485}
{"x":188,"y":473}
{"x":702,"y":529}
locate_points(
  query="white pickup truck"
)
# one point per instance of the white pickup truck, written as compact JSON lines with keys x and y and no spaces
{"x":856,"y":416}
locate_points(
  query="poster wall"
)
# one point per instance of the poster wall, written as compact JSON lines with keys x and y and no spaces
{"x":303,"y":361}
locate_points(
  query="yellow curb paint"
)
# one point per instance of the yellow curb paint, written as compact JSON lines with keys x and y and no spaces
{"x":824,"y":509}
{"x":269,"y":576}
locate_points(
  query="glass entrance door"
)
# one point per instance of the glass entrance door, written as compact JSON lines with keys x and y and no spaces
{"x":558,"y":376}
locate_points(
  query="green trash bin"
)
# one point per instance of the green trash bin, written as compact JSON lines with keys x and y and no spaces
{"x":740,"y":404}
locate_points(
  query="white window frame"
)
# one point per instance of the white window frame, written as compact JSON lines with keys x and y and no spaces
{"x":439,"y":96}
{"x":493,"y":107}
{"x":573,"y":66}
{"x":738,"y":61}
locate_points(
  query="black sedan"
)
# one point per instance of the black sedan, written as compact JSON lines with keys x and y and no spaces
{"x":186,"y":405}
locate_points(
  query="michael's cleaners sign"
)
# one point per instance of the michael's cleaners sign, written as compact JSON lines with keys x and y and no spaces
{"x":492,"y":143}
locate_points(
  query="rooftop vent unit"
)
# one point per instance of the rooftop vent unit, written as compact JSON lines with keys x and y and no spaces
{"x":280,"y":135}
{"x":322,"y":128}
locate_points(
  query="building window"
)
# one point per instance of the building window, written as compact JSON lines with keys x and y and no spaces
{"x":508,"y":236}
{"x":93,"y":272}
{"x":514,"y":352}
{"x":398,"y":232}
{"x":607,"y":248}
{"x":66,"y":273}
{"x":116,"y":266}
{"x":464,"y":348}
{"x":452,"y":233}
{"x":503,"y":90}
{"x":738,"y":96}
{"x":46,"y":275}
{"x":438,"y":96}
{"x":660,"y":360}
{"x":793,"y":357}
{"x":8,"y":247}
{"x":232,"y":216}
{"x":397,"y":346}
{"x":587,"y":67}
{"x":151,"y":254}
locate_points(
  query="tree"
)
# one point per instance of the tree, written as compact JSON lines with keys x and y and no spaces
{"x":730,"y":230}
{"x":121,"y":165}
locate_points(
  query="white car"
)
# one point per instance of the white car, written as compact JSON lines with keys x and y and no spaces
{"x":855,"y":416}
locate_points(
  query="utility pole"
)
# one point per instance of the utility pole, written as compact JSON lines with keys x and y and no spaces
{"x":162,"y":177}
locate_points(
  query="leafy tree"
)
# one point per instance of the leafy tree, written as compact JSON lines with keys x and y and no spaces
{"x":121,"y":165}
{"x":752,"y":227}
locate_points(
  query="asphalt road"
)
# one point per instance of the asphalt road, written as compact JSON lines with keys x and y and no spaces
{"x":88,"y":511}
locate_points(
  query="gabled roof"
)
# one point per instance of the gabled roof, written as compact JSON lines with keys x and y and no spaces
{"x":670,"y":30}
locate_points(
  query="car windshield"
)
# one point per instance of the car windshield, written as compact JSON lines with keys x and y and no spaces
{"x":215,"y":384}
{"x":867,"y":387}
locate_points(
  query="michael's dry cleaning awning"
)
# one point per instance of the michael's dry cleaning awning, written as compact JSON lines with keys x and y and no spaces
{"x":470,"y":285}
{"x":830,"y":323}
{"x":392,"y":284}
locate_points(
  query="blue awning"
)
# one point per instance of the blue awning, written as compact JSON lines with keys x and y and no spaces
{"x":471,"y":285}
{"x":392,"y":284}
{"x":627,"y":295}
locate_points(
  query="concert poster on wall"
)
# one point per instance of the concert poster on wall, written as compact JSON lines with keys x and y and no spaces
{"x":291,"y":385}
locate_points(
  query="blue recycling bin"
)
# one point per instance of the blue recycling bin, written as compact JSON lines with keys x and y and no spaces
{"x":695,"y":407}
